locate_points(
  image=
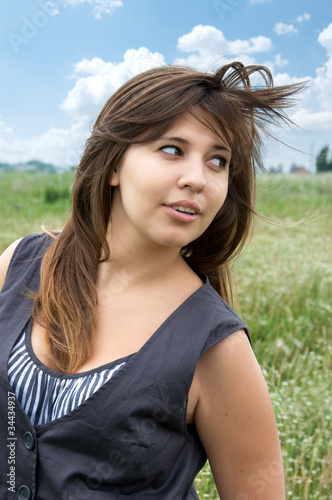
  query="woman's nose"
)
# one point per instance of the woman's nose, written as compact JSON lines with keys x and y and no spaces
{"x":193,"y":175}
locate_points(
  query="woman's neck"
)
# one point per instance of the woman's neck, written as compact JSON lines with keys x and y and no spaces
{"x":137,"y":262}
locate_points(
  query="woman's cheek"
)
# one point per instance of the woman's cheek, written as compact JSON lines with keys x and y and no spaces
{"x":216,"y":193}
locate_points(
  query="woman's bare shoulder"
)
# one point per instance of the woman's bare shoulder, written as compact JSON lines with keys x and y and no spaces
{"x":5,"y":259}
{"x":235,"y":420}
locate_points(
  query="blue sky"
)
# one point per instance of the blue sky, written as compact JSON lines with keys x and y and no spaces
{"x":61,"y":59}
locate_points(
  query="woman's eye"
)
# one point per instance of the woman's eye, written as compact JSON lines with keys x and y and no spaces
{"x":218,"y":161}
{"x":171,"y":150}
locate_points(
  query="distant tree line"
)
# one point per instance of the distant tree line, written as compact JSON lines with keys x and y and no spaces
{"x":29,"y":166}
{"x":33,"y":166}
{"x":323,"y":164}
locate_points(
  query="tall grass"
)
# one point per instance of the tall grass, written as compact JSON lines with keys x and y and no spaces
{"x":28,"y":201}
{"x":284,"y":282}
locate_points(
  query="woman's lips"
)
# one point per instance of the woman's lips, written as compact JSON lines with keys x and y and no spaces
{"x":183,"y":210}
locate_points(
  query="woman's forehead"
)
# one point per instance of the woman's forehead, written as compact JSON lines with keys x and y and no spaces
{"x":202,"y":120}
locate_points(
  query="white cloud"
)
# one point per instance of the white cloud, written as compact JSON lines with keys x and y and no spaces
{"x":5,"y":131}
{"x":208,"y":39}
{"x":286,"y":79}
{"x":277,"y":62}
{"x":314,"y":110}
{"x":211,"y":48}
{"x":97,"y":80}
{"x":303,"y":18}
{"x":52,"y":9}
{"x":259,"y":1}
{"x":313,"y":120}
{"x":323,"y":80}
{"x":280,"y":62}
{"x":325,"y":38}
{"x":100,"y":7}
{"x":62,"y":147}
{"x":284,"y":29}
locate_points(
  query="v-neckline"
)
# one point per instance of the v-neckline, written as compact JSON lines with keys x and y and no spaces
{"x":132,"y":359}
{"x":53,"y":373}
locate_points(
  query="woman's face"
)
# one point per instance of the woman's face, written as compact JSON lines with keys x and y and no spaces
{"x":168,"y":191}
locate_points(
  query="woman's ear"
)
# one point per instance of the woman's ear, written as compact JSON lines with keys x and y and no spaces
{"x":114,"y":178}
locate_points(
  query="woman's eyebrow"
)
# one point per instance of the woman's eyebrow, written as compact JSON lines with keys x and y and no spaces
{"x":185,"y":141}
{"x":174,"y":138}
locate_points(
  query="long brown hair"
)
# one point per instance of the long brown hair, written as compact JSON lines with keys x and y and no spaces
{"x":141,"y":111}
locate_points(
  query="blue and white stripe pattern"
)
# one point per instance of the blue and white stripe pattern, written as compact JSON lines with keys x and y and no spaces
{"x":46,"y":395}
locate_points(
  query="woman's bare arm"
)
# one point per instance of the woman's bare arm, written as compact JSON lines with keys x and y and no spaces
{"x":5,"y":259}
{"x":236,"y":423}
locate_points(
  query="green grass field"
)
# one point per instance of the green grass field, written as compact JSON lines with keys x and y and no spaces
{"x":284,"y":281}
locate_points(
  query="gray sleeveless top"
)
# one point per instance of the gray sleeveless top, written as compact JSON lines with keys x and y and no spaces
{"x":129,"y":439}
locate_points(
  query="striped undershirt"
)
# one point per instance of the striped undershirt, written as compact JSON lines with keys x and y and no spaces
{"x":44,"y":394}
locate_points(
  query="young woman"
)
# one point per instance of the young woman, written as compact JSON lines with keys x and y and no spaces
{"x":122,"y":365}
